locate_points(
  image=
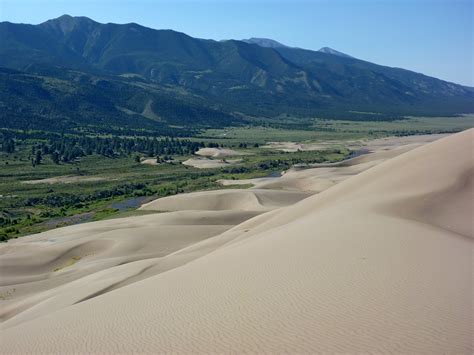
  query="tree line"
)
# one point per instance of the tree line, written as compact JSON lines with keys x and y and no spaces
{"x":65,"y":148}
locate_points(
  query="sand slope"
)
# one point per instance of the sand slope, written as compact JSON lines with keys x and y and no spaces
{"x":211,"y":158}
{"x":218,"y":152}
{"x":229,"y":199}
{"x":43,"y":273}
{"x":323,"y":176}
{"x":381,"y":262}
{"x":53,"y":270}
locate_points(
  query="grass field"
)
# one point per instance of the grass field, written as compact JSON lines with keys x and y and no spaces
{"x":322,"y":130}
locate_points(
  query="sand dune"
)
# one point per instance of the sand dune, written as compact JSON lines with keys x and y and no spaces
{"x":230,"y":199}
{"x":35,"y":286}
{"x":380,"y":262}
{"x":214,"y":158}
{"x":309,"y":180}
{"x":323,"y":176}
{"x":149,"y":161}
{"x":218,"y":152}
{"x":41,"y":269}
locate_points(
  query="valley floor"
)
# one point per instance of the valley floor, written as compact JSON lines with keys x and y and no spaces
{"x":371,"y":254}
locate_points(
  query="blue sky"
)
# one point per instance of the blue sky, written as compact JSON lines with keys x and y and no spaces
{"x":434,"y":37}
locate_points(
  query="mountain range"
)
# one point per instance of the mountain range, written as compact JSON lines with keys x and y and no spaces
{"x":270,"y":43}
{"x":77,"y":69}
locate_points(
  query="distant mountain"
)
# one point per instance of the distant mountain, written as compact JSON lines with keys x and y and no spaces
{"x":264,"y":42}
{"x":328,"y":50}
{"x":270,"y":43}
{"x":227,"y":79}
{"x":56,"y":99}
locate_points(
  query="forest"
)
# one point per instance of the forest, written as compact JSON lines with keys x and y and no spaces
{"x":67,"y":148}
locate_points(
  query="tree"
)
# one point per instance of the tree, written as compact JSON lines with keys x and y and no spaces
{"x":55,"y":157}
{"x":8,"y":145}
{"x":38,"y":157}
{"x":137,"y":158}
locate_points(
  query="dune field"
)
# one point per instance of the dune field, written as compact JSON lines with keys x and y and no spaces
{"x":370,"y":255}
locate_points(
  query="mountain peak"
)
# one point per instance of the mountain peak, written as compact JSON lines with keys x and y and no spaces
{"x":71,"y":19}
{"x":66,"y":23}
{"x":329,"y":50}
{"x":265,"y":42}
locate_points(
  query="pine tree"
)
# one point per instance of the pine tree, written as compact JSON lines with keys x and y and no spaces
{"x":38,"y":157}
{"x":8,"y":145}
{"x":55,"y":157}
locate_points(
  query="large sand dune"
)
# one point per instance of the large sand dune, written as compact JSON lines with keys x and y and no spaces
{"x":38,"y":272}
{"x":231,"y":199}
{"x":380,"y":262}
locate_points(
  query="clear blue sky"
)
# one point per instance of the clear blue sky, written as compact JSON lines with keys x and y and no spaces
{"x":434,"y":37}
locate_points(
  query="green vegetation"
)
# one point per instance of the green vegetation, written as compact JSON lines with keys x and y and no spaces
{"x":85,"y":103}
{"x":318,"y":130}
{"x":106,"y":183}
{"x":68,"y":148}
